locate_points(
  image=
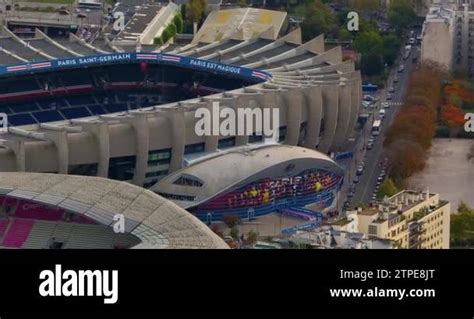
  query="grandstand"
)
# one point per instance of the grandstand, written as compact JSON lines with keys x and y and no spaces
{"x":51,"y":211}
{"x":125,"y":119}
{"x":258,"y":180}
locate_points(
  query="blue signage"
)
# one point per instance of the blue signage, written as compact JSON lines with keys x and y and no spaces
{"x":158,"y":58}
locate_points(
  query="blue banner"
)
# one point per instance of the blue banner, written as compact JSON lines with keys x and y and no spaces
{"x":158,"y":58}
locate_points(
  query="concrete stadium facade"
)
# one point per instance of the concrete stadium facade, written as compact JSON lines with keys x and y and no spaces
{"x":317,"y":94}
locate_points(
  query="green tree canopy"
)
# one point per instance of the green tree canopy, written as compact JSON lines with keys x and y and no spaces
{"x":369,"y":43}
{"x":318,"y":19}
{"x":387,"y":188}
{"x":195,"y":10}
{"x":401,"y":14}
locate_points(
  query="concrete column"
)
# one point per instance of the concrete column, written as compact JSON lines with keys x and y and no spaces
{"x":178,"y":126}
{"x":18,"y":148}
{"x":293,"y":99}
{"x":140,"y":125}
{"x":356,"y":98}
{"x":314,"y":100}
{"x":59,"y":138}
{"x":100,"y":130}
{"x":330,"y":111}
{"x":344,"y":116}
{"x":241,"y":101}
{"x":212,"y":141}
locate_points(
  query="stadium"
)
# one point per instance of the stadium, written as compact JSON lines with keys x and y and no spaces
{"x":258,"y":180}
{"x":126,"y":112}
{"x":53,"y":211}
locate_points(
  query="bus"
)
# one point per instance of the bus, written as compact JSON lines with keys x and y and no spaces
{"x":376,"y":127}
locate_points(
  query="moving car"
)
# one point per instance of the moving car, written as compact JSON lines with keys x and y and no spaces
{"x":391,"y":89}
{"x":389,"y":96}
{"x":401,"y":68}
{"x":385,"y":105}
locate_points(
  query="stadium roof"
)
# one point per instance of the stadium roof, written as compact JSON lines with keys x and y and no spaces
{"x":157,"y":222}
{"x":241,"y":166}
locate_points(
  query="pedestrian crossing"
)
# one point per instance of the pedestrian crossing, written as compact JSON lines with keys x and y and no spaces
{"x":395,"y":103}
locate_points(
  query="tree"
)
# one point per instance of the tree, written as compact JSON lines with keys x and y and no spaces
{"x":252,"y":237}
{"x":387,"y":188}
{"x":231,"y":220}
{"x":401,"y":14}
{"x":462,"y":226}
{"x":195,"y":10}
{"x":318,"y":19}
{"x":217,"y":230}
{"x":243,"y":3}
{"x":234,"y":232}
{"x":179,"y":23}
{"x":391,"y":46}
{"x":369,"y":43}
{"x":406,"y":157}
{"x":453,"y":116}
{"x":371,"y":65}
{"x":364,"y":5}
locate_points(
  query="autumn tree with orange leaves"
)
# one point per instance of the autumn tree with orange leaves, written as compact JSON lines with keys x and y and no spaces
{"x":411,"y":133}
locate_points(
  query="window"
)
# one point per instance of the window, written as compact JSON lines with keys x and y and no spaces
{"x":177,"y":197}
{"x":188,"y":181}
{"x":373,"y":230}
{"x":282,"y":134}
{"x":256,"y":137}
{"x":194,"y":148}
{"x":122,"y":168}
{"x":226,"y":142}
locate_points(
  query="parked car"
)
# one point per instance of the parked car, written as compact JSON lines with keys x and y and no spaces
{"x":370,"y":146}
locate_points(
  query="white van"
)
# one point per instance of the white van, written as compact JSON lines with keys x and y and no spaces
{"x":382,"y":114}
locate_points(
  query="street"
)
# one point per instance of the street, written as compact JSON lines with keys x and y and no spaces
{"x":372,"y":159}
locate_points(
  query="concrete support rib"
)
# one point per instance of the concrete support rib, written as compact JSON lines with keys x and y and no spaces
{"x":140,"y":125}
{"x":178,"y":127}
{"x":268,"y":99}
{"x":242,"y":101}
{"x":314,"y":101}
{"x":330,"y":111}
{"x":18,"y":148}
{"x":356,"y":98}
{"x":59,"y":138}
{"x":343,"y":118}
{"x":293,"y":99}
{"x":212,"y":141}
{"x":100,"y":131}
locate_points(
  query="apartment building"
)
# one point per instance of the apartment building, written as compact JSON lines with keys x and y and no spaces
{"x":411,"y":219}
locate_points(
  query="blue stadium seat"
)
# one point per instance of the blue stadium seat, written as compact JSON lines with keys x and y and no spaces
{"x":24,"y":107}
{"x":117,"y":107}
{"x":96,"y":109}
{"x":75,"y":112}
{"x":21,"y":119}
{"x":48,"y":116}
